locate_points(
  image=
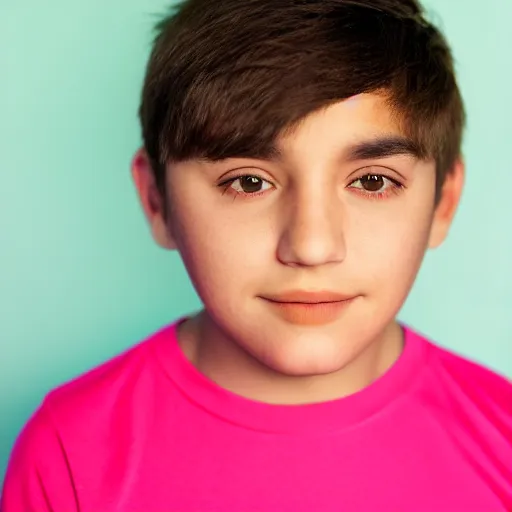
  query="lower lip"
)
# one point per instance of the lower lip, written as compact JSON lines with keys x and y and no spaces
{"x":310,"y":314}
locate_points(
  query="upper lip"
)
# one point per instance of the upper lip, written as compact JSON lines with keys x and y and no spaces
{"x":308,"y":297}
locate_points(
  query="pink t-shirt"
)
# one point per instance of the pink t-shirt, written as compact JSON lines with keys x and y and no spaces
{"x":147,"y":432}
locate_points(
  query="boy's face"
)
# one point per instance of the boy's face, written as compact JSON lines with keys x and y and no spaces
{"x":319,"y":218}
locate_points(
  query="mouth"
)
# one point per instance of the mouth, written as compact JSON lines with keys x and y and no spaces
{"x":308,"y":297}
{"x":309,"y":308}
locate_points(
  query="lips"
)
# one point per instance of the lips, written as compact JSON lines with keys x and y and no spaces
{"x":309,"y":307}
{"x":308,"y":297}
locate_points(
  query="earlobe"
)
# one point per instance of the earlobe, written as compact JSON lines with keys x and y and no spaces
{"x":447,"y":206}
{"x":151,"y":200}
{"x":162,"y":235}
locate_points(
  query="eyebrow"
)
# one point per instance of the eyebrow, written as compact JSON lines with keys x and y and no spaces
{"x":382,"y":147}
{"x":371,"y":149}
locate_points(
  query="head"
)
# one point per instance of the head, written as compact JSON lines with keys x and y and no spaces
{"x":300,"y":145}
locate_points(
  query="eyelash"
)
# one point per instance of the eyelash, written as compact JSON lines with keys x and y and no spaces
{"x":395,"y":186}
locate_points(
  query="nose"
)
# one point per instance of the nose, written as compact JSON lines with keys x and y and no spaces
{"x":312,"y":230}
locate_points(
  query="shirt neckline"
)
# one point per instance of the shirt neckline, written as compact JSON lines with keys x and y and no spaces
{"x":329,"y":416}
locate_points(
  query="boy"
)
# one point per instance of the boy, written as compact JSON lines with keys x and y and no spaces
{"x":301,"y":155}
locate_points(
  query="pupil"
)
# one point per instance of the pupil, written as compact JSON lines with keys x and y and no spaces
{"x":372,"y":183}
{"x":250,"y":184}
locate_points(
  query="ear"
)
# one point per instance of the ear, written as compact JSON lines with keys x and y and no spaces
{"x":151,"y":199}
{"x":447,"y":206}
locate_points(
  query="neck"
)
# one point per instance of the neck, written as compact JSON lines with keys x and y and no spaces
{"x":225,"y":362}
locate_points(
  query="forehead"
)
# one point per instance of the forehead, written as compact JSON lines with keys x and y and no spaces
{"x":364,"y":116}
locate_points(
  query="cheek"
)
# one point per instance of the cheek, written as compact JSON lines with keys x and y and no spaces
{"x":223,"y":255}
{"x":404,"y":254}
{"x":391,"y":251}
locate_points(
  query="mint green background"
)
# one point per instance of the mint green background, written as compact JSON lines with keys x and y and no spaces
{"x":80,"y":279}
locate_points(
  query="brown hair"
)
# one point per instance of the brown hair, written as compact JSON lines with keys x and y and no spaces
{"x":226,"y":77}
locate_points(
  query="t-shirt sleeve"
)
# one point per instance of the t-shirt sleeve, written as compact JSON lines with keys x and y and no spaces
{"x":38,"y":477}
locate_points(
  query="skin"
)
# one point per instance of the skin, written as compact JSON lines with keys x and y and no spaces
{"x":311,"y":227}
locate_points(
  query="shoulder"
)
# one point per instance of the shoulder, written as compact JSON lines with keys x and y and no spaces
{"x":475,"y":381}
{"x":98,"y":390}
{"x":38,"y":468}
{"x":467,"y":398}
{"x":65,"y":440}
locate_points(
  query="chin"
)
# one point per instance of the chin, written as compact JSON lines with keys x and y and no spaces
{"x":311,"y":361}
{"x":307,"y":369}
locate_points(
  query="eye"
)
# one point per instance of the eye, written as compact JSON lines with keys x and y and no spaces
{"x":246,"y":185}
{"x":376,"y":185}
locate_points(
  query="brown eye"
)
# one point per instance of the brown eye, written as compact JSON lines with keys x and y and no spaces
{"x":372,"y":182}
{"x":249,"y":185}
{"x":376,"y":185}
